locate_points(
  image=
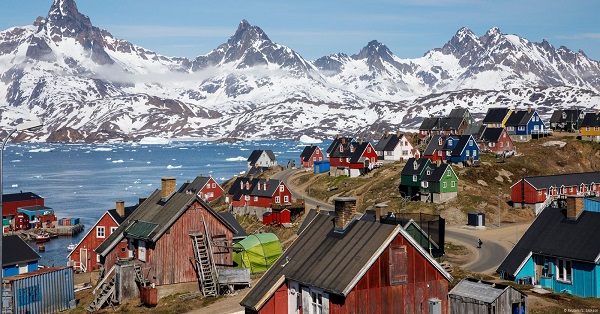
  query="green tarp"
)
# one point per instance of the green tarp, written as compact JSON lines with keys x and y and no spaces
{"x":257,"y":252}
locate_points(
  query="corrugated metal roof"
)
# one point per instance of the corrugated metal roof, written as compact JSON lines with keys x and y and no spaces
{"x":495,"y":115}
{"x":569,"y":179}
{"x":475,"y":289}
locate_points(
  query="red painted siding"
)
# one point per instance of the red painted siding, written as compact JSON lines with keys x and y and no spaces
{"x":168,"y":260}
{"x":533,"y":196}
{"x":316,"y":156}
{"x":90,"y":242}
{"x":374,"y":294}
{"x":211,"y":187}
{"x":265,"y":202}
{"x":10,"y":208}
{"x":368,"y":153}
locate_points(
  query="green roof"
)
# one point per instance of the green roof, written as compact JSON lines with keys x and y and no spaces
{"x":140,"y":230}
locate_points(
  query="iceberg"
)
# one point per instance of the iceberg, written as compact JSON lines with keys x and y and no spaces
{"x":309,"y":140}
{"x":149,"y":140}
{"x":173,"y":167}
{"x":238,"y":158}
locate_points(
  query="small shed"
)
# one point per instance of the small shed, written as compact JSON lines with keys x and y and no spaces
{"x":281,"y":216}
{"x":257,"y":252}
{"x":472,"y":295}
{"x":476,"y":219}
{"x":321,"y":166}
{"x":267,"y":218}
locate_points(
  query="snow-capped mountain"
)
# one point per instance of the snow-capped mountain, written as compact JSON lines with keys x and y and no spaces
{"x":87,"y":85}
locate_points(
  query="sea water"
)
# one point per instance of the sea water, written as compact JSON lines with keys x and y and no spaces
{"x":85,"y":180}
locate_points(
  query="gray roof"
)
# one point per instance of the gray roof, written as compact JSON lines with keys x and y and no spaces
{"x":436,"y":172}
{"x":160,"y":212}
{"x":495,"y":115}
{"x":409,"y":168}
{"x":475,"y":289}
{"x":23,"y":196}
{"x":569,"y":179}
{"x":388,"y":142}
{"x":241,"y":232}
{"x":15,"y":251}
{"x":336,"y":141}
{"x":491,"y":135}
{"x":552,"y":234}
{"x":591,"y":119}
{"x":256,"y":154}
{"x":570,"y":115}
{"x":237,"y":191}
{"x":429,"y":123}
{"x":519,"y":118}
{"x":475,"y":129}
{"x":307,"y":152}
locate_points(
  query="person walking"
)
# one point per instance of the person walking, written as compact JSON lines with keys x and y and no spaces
{"x":479,"y":243}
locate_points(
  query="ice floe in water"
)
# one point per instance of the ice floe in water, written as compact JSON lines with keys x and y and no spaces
{"x":173,"y":167}
{"x":117,"y":161}
{"x":238,"y":158}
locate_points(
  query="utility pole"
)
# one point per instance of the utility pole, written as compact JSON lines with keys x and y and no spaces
{"x":499,"y":189}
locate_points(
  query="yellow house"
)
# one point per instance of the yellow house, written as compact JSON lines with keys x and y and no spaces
{"x":590,"y":127}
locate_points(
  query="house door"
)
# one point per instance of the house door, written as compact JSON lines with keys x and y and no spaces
{"x":367,"y":163}
{"x":83,"y":258}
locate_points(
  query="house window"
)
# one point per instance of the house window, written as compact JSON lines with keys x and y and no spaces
{"x":453,"y":184}
{"x":425,"y":184}
{"x":314,"y":158}
{"x":474,"y":153}
{"x":214,"y":185}
{"x":112,"y":229}
{"x":316,"y":303}
{"x":428,"y":172}
{"x":540,"y":192}
{"x":286,"y":199}
{"x":439,"y":153}
{"x":521,"y":128}
{"x":414,"y":178}
{"x":448,"y":172}
{"x":100,"y":233}
{"x":320,"y":158}
{"x":415,"y":165}
{"x":277,"y":200}
{"x":501,"y":144}
{"x":595,"y":128}
{"x":97,"y":258}
{"x":510,"y":128}
{"x":247,"y":197}
{"x":587,"y":128}
{"x":341,"y":148}
{"x":444,"y":185}
{"x":449,"y":142}
{"x":256,"y":198}
{"x":398,"y":265}
{"x":563,"y":270}
{"x":440,"y":141}
{"x":470,"y":142}
{"x":281,"y":188}
{"x":341,"y":159}
{"x":368,"y":149}
{"x":467,"y":153}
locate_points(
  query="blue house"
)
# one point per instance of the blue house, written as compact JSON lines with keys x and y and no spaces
{"x":560,"y":250}
{"x":522,"y":125}
{"x":452,"y":148}
{"x":17,"y":257}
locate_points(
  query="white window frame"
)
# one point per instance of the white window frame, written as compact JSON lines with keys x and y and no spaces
{"x":452,"y":183}
{"x":564,"y":270}
{"x":277,"y":200}
{"x":247,"y":197}
{"x":256,"y":198}
{"x":112,"y":229}
{"x":414,"y":178}
{"x":100,"y":232}
{"x":281,"y":188}
{"x":444,"y":185}
{"x":286,"y":199}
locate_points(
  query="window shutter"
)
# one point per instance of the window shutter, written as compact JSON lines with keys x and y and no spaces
{"x":398,"y":265}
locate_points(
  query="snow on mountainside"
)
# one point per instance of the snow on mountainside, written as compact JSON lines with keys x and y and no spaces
{"x":89,"y":86}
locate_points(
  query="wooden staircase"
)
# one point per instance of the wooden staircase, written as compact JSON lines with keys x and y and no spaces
{"x":106,"y":289}
{"x":139,"y":276}
{"x":204,"y":264}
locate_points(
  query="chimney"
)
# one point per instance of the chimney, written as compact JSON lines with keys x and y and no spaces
{"x":597,"y":111}
{"x":345,"y":209}
{"x":398,"y":133}
{"x":120,"y":207}
{"x":311,"y":144}
{"x":528,"y":109}
{"x":379,"y":209}
{"x":387,"y":133}
{"x":168,"y":185}
{"x":337,"y":137}
{"x":343,"y":140}
{"x":201,"y":175}
{"x":141,"y":200}
{"x":574,"y":206}
{"x":360,"y":141}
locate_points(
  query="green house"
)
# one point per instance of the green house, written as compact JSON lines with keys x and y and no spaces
{"x":411,"y":175}
{"x":438,"y":184}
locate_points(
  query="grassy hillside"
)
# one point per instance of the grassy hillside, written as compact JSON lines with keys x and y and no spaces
{"x":480,"y":189}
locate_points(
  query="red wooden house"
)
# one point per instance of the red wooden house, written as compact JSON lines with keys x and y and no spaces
{"x":256,"y":195}
{"x":352,"y":158}
{"x":83,"y":258}
{"x":536,"y":191}
{"x":158,"y":232}
{"x":351,"y":266}
{"x":496,"y":141}
{"x":309,"y":155}
{"x":205,"y":187}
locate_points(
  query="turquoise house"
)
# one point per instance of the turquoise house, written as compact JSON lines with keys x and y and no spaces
{"x":560,"y":251}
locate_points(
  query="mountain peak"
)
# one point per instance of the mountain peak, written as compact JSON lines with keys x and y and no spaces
{"x":64,"y":19}
{"x":374,"y":49}
{"x":246,"y":33}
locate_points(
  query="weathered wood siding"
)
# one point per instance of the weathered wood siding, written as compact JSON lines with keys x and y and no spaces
{"x":503,"y":304}
{"x":171,"y":260}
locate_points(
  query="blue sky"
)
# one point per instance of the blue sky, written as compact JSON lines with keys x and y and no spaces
{"x":314,"y":29}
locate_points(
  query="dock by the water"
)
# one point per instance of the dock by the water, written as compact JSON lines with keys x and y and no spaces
{"x":31,"y":234}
